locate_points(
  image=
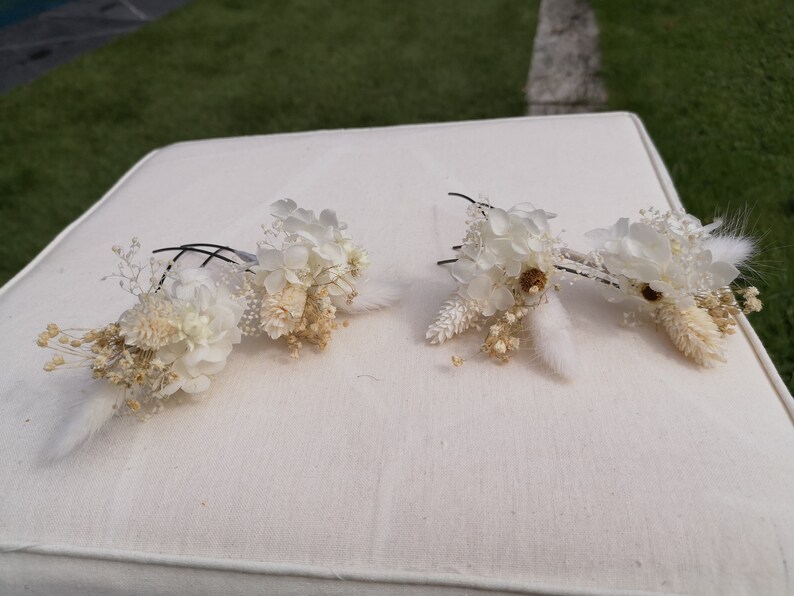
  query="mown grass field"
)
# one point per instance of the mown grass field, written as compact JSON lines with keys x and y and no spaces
{"x":714,"y":83}
{"x":238,"y":67}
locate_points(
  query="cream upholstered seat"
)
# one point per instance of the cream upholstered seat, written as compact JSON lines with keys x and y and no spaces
{"x":376,"y":466}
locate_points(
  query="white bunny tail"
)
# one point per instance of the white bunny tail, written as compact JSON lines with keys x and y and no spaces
{"x":550,"y":329}
{"x":736,"y":250}
{"x":80,"y":419}
{"x":372,"y":295}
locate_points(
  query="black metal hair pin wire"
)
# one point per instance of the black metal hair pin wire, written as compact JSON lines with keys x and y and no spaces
{"x":572,"y":256}
{"x":246,"y":257}
{"x":473,"y":202}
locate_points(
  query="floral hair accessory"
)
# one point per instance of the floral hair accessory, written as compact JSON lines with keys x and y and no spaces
{"x":508,"y":271}
{"x":681,"y":273}
{"x":183,"y":327}
{"x":308,"y":268}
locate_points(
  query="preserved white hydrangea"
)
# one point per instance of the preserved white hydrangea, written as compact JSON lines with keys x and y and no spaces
{"x":306,"y":268}
{"x":680,"y":271}
{"x":207,"y":316}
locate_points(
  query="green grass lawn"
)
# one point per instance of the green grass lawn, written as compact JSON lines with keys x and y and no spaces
{"x":239,"y":67}
{"x":714,"y":83}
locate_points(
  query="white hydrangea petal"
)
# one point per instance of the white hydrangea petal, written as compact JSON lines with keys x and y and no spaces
{"x":502,"y":248}
{"x":598,"y":237}
{"x":328,"y":218}
{"x":213,"y":368}
{"x":499,"y":221}
{"x":522,"y":209}
{"x":643,"y":270}
{"x":296,"y":256}
{"x":270,"y":259}
{"x":480,"y":288}
{"x":292,"y":277}
{"x":197,"y":384}
{"x":283,"y":208}
{"x":332,"y":252}
{"x":276,"y":281}
{"x":723,"y":273}
{"x":513,"y":268}
{"x":173,"y":387}
{"x":463,"y":270}
{"x":502,"y":298}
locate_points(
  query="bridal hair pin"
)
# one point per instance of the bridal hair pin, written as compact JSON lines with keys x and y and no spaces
{"x":186,"y":320}
{"x":681,"y":273}
{"x":508,"y":271}
{"x":670,"y":266}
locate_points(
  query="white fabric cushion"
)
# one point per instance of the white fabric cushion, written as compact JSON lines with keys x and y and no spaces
{"x":376,"y":466}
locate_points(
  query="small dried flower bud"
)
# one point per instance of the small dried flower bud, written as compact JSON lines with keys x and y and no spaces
{"x":751,"y":305}
{"x":49,"y":367}
{"x":75,"y":343}
{"x":133,"y":405}
{"x":57,"y":360}
{"x":533,"y":280}
{"x":649,"y":293}
{"x":457,"y":361}
{"x":63,"y":339}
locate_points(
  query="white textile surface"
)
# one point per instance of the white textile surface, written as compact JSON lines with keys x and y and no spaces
{"x":376,"y":465}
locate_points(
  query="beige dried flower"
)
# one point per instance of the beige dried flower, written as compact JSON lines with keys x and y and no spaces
{"x":751,"y":302}
{"x":722,"y":308}
{"x":502,"y":335}
{"x":693,"y":331}
{"x":316,"y":324}
{"x":533,"y":280}
{"x":150,"y":324}
{"x":280,"y":313}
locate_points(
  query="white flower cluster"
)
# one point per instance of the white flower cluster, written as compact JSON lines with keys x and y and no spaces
{"x":506,"y":265}
{"x":499,"y":248}
{"x":665,"y":252}
{"x":184,"y":326}
{"x":680,"y":271}
{"x":307,"y":267}
{"x":202,"y":315}
{"x":191,"y":326}
{"x":177,"y":335}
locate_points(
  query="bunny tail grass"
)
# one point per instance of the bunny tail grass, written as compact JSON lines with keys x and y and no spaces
{"x":736,"y":250}
{"x":372,"y":295}
{"x":80,"y":419}
{"x":550,"y":329}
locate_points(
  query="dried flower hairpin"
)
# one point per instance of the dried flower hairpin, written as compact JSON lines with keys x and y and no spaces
{"x":184,"y":326}
{"x":306,"y":269}
{"x":508,"y":269}
{"x":681,"y":273}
